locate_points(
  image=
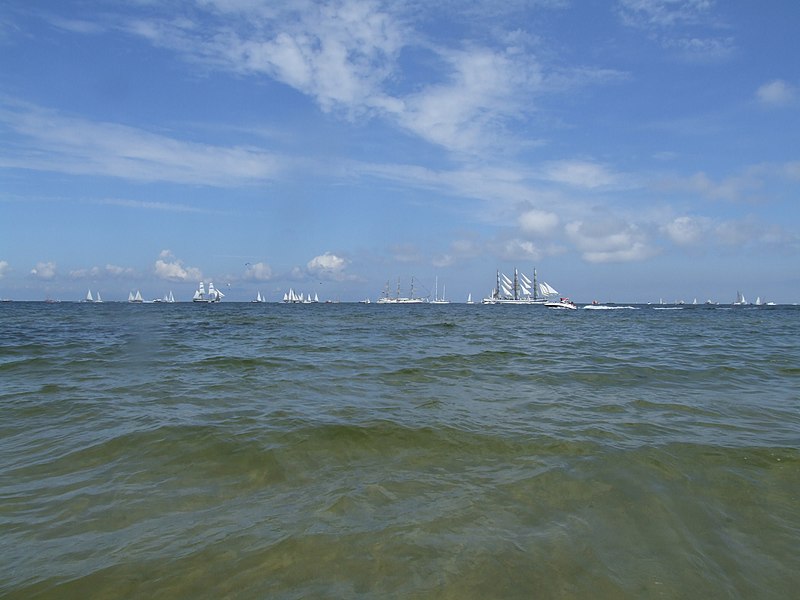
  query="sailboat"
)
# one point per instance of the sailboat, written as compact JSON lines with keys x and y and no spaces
{"x":520,"y":290}
{"x":398,"y":299}
{"x":135,"y":298}
{"x":436,"y":299}
{"x":469,"y":298}
{"x":89,"y":297}
{"x":740,"y":300}
{"x":213,"y":295}
{"x":259,"y":298}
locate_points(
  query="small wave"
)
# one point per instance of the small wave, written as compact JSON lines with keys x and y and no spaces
{"x":603,"y":307}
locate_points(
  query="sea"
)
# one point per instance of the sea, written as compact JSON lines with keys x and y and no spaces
{"x":241,"y":450}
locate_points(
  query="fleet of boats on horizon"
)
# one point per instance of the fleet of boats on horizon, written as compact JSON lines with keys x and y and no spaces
{"x":516,"y":289}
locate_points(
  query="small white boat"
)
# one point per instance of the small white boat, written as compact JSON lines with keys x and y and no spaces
{"x":562,"y":303}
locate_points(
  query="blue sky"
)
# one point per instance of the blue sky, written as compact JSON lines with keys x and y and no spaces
{"x":630,"y":150}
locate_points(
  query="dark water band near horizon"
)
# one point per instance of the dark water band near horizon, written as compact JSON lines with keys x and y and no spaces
{"x":364,"y":451}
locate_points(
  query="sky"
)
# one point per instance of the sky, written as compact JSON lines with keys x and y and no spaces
{"x":628,"y":150}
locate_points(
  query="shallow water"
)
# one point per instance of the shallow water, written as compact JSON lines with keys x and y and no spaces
{"x":347,"y":450}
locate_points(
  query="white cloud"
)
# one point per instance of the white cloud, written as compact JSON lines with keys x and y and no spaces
{"x":687,"y":231}
{"x":170,"y":268}
{"x":259,"y":271}
{"x":517,"y":249}
{"x":681,"y":26}
{"x":97,"y":272}
{"x":328,"y":266}
{"x":579,"y":173}
{"x":608,"y":240}
{"x":776,"y":93}
{"x":44,"y":270}
{"x":538,"y":222}
{"x":64,"y":144}
{"x":664,"y":13}
{"x":4,"y":268}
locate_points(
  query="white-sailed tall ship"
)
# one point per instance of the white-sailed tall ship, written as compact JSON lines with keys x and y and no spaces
{"x":398,"y":299}
{"x":520,"y":290}
{"x":213,"y":294}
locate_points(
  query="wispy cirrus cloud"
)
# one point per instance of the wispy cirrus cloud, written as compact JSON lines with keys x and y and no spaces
{"x":41,"y":139}
{"x":355,"y":58}
{"x":99,"y":272}
{"x":688,"y":28}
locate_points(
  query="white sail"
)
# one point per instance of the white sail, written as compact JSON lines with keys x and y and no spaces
{"x":506,"y":291}
{"x":525,"y":279}
{"x":130,"y":296}
{"x":316,"y":298}
{"x":758,"y":300}
{"x":89,"y":296}
{"x":138,"y":297}
{"x":506,"y":280}
{"x":469,"y":298}
{"x":547,"y":290}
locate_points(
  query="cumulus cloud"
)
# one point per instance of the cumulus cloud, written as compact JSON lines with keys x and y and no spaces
{"x":259,"y":271}
{"x":44,"y":270}
{"x":172,"y":269}
{"x":776,"y":93}
{"x":538,"y":222}
{"x":328,"y":266}
{"x":4,"y":268}
{"x":687,"y":231}
{"x":609,"y":240}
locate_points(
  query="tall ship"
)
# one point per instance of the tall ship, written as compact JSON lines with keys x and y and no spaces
{"x":520,"y":290}
{"x":213,"y":294}
{"x":386,"y":298}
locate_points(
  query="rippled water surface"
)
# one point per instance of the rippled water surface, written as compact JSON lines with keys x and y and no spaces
{"x":347,"y":450}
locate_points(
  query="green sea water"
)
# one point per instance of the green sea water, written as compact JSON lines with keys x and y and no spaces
{"x":367,"y":451}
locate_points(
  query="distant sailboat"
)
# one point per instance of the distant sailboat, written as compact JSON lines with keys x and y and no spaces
{"x":436,"y":299}
{"x":740,"y":299}
{"x":469,"y":298}
{"x":520,"y":291}
{"x":135,"y":298}
{"x":259,"y":298}
{"x":213,"y":295}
